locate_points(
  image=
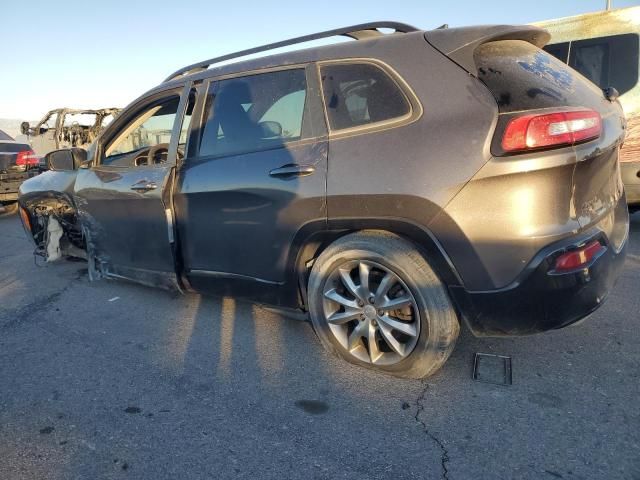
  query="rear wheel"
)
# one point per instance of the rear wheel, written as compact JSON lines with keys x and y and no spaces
{"x":375,"y":301}
{"x":7,"y":209}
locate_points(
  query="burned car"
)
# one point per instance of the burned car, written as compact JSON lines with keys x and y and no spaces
{"x":65,"y":127}
{"x":392,"y":187}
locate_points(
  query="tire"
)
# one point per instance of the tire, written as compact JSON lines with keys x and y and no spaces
{"x":429,"y":315}
{"x":8,"y":209}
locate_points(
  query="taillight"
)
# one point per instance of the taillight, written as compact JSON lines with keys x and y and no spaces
{"x":27,"y":158}
{"x":531,"y":132}
{"x":578,"y":258}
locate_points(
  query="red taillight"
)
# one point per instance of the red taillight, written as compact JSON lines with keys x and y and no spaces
{"x":531,"y":132}
{"x":578,"y":258}
{"x":27,"y":158}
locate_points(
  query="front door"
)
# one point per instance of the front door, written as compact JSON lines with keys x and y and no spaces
{"x":256,"y":181}
{"x":44,"y":138}
{"x":124,"y":198}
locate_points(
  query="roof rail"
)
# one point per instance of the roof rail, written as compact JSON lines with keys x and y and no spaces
{"x":357,"y":32}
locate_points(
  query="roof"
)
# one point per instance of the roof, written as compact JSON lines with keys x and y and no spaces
{"x":361,"y":31}
{"x":366,"y":32}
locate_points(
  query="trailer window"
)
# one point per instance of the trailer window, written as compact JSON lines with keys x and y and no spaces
{"x":607,"y":61}
{"x":559,"y":50}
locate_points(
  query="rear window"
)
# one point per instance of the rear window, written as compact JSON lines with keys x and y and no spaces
{"x":13,"y":147}
{"x":522,"y":77}
{"x":610,"y":61}
{"x":360,"y":94}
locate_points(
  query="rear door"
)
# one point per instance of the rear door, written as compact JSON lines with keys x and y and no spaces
{"x":256,"y":179}
{"x":124,"y":199}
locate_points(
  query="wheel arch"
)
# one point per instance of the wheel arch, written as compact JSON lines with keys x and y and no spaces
{"x":311,"y":242}
{"x":50,"y":200}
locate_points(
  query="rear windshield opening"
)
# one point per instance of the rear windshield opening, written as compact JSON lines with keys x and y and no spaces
{"x":610,"y":61}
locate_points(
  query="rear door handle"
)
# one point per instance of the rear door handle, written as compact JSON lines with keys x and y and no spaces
{"x":144,"y":186}
{"x":290,"y":171}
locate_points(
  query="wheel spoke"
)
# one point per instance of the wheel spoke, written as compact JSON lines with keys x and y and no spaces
{"x":374,"y":351}
{"x":387,"y":282}
{"x":356,"y":335}
{"x":396,"y":303}
{"x":347,"y":281}
{"x":340,"y":318}
{"x":390,"y":340}
{"x":406,"y":328}
{"x":336,"y":297}
{"x":364,"y":280}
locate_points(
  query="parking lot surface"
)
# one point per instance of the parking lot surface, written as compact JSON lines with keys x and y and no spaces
{"x":111,"y":380}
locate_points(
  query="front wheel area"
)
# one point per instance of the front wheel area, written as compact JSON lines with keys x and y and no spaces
{"x":375,"y":301}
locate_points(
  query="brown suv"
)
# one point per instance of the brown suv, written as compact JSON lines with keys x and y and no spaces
{"x":391,"y":187}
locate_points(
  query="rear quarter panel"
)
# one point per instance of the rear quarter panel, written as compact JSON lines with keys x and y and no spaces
{"x":412,"y":171}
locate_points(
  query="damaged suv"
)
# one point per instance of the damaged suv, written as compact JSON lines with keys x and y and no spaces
{"x":65,"y":127}
{"x":391,"y":187}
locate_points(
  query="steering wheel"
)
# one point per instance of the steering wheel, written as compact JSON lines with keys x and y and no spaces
{"x":154,"y":151}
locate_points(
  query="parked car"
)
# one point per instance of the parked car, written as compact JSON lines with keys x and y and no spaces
{"x":391,"y":187}
{"x":65,"y":127}
{"x":17,"y":164}
{"x":604,"y":46}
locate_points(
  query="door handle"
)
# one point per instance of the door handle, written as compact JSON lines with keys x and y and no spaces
{"x":290,"y":171}
{"x":144,"y":186}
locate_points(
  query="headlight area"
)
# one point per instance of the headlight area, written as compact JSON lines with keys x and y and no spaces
{"x":53,"y":227}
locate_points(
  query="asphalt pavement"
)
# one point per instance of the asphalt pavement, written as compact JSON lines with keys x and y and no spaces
{"x":111,"y":380}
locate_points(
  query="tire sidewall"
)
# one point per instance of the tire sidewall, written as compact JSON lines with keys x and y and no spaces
{"x":409,"y":271}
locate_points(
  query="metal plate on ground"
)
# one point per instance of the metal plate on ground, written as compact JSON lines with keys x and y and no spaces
{"x":490,"y":368}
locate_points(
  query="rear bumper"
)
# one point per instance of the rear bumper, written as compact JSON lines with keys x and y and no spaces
{"x":630,"y":172}
{"x":10,"y":184}
{"x":542,"y":300}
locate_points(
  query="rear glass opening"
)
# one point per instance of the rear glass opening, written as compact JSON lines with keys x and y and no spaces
{"x":610,"y":61}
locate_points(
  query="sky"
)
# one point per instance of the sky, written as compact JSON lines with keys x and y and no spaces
{"x":100,"y":54}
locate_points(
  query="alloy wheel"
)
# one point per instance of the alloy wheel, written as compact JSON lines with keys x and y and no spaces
{"x":371,"y":312}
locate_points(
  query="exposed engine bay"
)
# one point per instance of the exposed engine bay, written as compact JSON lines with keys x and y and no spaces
{"x":56,"y":232}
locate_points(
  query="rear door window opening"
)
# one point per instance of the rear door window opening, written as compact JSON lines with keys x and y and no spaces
{"x":254,"y":112}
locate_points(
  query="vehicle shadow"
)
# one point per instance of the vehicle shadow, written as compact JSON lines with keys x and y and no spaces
{"x":253,"y":392}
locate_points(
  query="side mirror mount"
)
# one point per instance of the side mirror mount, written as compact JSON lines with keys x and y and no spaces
{"x":24,"y":128}
{"x":66,"y":160}
{"x":270,"y":129}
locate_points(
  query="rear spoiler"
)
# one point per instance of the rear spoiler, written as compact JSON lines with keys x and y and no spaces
{"x":459,"y":44}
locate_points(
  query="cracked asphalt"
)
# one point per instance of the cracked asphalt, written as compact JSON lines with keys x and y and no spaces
{"x":110,"y":380}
